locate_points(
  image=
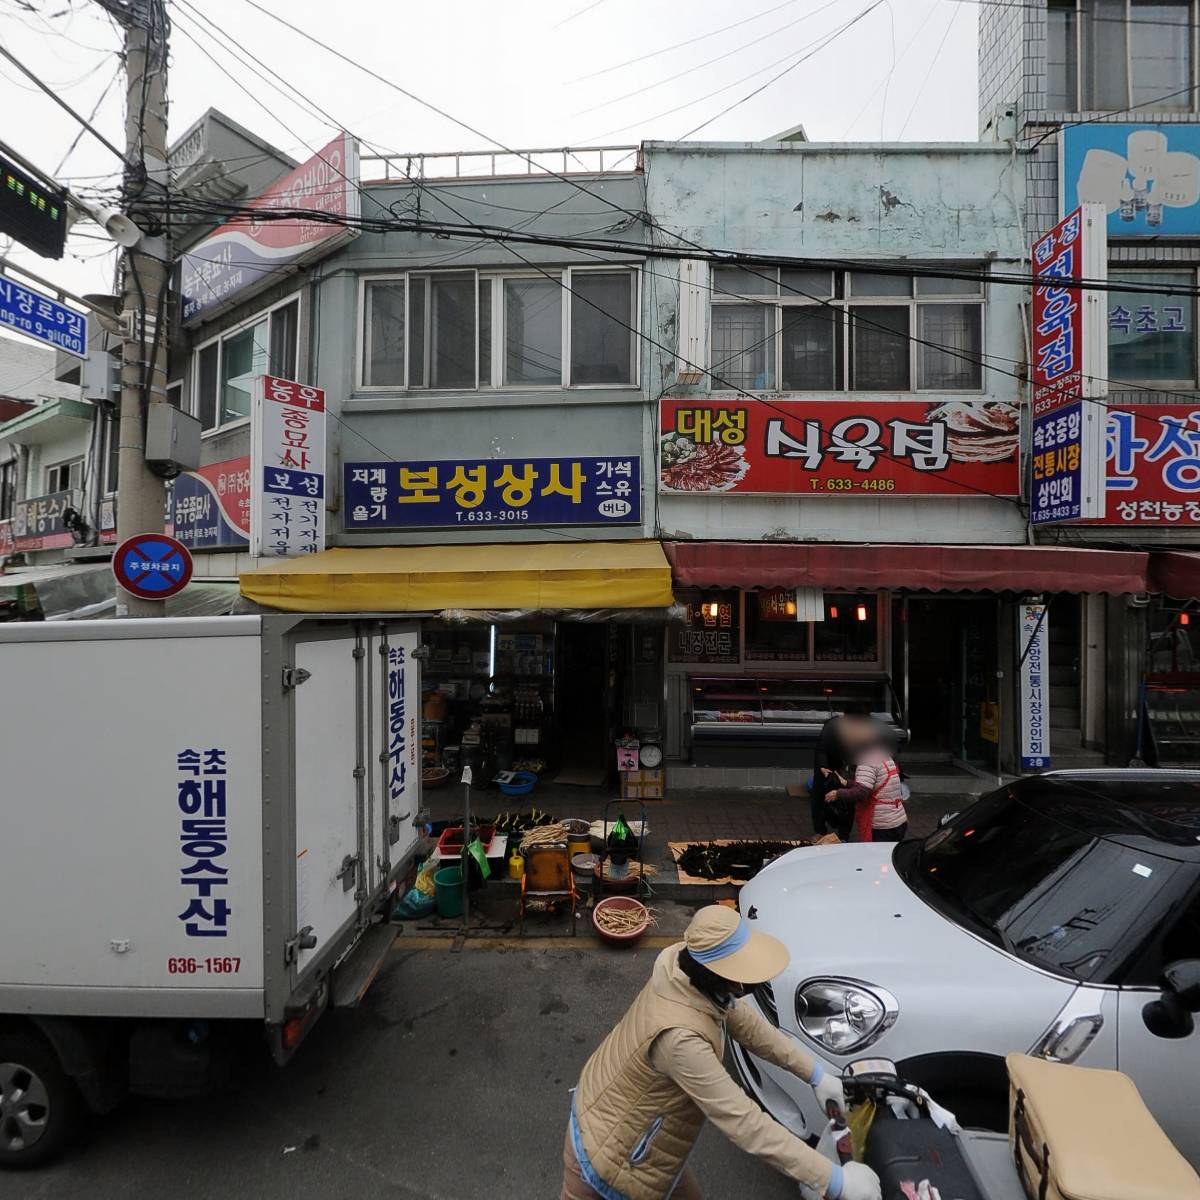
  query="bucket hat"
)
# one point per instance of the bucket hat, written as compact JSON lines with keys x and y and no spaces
{"x":722,"y":940}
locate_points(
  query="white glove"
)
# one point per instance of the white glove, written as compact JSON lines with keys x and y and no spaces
{"x":829,"y":1087}
{"x":859,"y":1182}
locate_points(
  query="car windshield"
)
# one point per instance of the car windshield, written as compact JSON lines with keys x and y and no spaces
{"x":1055,"y":873}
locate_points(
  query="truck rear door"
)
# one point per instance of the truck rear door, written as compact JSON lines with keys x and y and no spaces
{"x":326,"y":724}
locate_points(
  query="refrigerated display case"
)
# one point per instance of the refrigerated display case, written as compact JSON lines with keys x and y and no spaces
{"x":776,"y":722}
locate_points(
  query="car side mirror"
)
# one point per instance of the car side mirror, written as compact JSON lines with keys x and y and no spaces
{"x":1182,"y":978}
{"x":1171,"y":1015}
{"x":946,"y":818}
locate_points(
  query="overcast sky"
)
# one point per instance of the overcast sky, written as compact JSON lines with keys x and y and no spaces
{"x":530,"y":73}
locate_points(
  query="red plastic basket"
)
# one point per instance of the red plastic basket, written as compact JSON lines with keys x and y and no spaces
{"x":451,"y":842}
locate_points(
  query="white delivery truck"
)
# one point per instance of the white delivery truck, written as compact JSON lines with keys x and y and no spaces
{"x":202,"y":819}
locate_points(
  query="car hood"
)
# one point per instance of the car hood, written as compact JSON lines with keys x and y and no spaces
{"x":845,"y":911}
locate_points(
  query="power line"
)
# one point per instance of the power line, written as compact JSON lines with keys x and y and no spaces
{"x":703,"y":37}
{"x":708,"y":63}
{"x":65,"y":106}
{"x":932,"y":63}
{"x":815,"y":45}
{"x":787,"y":70}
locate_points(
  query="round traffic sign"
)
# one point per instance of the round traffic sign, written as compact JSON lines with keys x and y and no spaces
{"x":152,"y":566}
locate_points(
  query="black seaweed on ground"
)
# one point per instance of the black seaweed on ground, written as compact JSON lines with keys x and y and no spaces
{"x":737,"y":860}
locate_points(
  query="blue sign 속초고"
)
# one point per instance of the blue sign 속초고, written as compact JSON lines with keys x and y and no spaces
{"x":152,"y":566}
{"x":1146,"y":176}
{"x":493,"y":492}
{"x":26,"y":311}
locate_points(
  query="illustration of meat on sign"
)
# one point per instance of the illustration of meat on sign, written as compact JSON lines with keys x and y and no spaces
{"x":708,"y":467}
{"x":981,"y":433}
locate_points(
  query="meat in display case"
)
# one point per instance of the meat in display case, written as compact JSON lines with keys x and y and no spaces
{"x":776,"y":722}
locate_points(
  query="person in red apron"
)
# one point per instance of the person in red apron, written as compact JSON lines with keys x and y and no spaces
{"x":878,"y":798}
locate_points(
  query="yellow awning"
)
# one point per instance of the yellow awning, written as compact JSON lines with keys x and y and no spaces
{"x":425,"y":578}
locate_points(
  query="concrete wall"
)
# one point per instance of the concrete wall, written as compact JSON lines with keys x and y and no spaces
{"x":910,"y":203}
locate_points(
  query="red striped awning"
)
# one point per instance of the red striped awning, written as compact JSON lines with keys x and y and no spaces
{"x":918,"y":568}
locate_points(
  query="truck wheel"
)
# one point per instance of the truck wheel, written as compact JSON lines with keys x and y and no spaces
{"x":39,"y":1103}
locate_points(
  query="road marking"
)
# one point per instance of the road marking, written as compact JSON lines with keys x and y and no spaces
{"x":483,"y":942}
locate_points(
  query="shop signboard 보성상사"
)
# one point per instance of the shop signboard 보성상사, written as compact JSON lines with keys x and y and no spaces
{"x":1033,"y":645}
{"x":210,"y":507}
{"x":1147,"y":177}
{"x":493,"y":493}
{"x":1068,"y":364}
{"x":839,"y":447}
{"x":287,"y":468}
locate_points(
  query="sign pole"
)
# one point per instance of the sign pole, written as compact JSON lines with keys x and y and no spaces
{"x":141,"y":495}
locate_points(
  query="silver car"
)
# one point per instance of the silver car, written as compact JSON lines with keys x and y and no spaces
{"x":1059,"y":915}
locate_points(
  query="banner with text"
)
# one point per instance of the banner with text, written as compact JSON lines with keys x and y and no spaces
{"x":210,"y":507}
{"x":493,"y":492}
{"x":839,"y":447}
{"x":1153,"y":468}
{"x":287,"y":468}
{"x":1033,"y":644}
{"x":1069,"y":365}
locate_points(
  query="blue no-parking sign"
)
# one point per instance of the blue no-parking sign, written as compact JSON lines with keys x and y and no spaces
{"x":152,"y":566}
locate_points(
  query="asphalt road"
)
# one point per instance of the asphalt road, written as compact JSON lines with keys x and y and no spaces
{"x":448,"y":1083}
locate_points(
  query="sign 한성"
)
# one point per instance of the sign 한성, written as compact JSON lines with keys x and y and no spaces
{"x":24,"y":310}
{"x":210,"y":507}
{"x":1153,"y":470}
{"x":1033,"y":646}
{"x":839,"y":447}
{"x":287,"y":468}
{"x":1147,"y":177}
{"x":38,"y":522}
{"x":152,"y":566}
{"x":244,"y":256}
{"x":1069,"y":347}
{"x":493,"y":493}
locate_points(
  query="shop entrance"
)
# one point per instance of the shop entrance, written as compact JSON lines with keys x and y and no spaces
{"x":585,"y":701}
{"x":950,"y":651}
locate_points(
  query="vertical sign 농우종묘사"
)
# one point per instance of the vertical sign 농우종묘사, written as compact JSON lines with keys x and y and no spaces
{"x":1069,"y":353}
{"x":1034,"y":681}
{"x":287,"y":465}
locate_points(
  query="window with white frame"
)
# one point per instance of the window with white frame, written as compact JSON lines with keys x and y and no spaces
{"x":1120,"y":54}
{"x":64,"y":476}
{"x":225,"y":368}
{"x":1152,"y":335}
{"x":461,"y":330}
{"x":820,"y":331}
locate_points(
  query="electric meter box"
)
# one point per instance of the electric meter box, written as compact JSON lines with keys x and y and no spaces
{"x":172,"y":438}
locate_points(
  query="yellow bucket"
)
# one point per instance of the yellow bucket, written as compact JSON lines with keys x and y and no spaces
{"x":578,"y":836}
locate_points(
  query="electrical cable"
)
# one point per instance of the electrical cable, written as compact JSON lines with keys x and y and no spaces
{"x":932,"y":63}
{"x":629,"y":62}
{"x":708,"y":63}
{"x":64,"y":105}
{"x":806,"y":51}
{"x":786,"y":71}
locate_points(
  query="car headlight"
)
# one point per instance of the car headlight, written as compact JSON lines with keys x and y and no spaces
{"x":844,"y":1015}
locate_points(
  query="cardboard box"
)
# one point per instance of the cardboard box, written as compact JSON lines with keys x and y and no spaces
{"x":643,"y":784}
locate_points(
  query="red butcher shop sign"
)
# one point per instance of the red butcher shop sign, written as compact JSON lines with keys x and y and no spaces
{"x":839,"y":447}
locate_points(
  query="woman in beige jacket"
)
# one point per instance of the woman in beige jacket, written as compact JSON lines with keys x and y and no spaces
{"x":647,"y":1090}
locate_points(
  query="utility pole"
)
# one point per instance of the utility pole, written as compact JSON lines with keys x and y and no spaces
{"x":141,"y":495}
